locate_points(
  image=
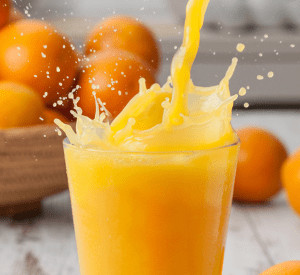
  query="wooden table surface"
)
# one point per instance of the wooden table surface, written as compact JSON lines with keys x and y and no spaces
{"x":259,"y":235}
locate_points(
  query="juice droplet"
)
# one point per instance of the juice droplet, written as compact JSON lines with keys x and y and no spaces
{"x":246,"y":105}
{"x":58,"y":131}
{"x":240,"y":47}
{"x":242,"y":91}
{"x":270,"y":74}
{"x":260,"y":77}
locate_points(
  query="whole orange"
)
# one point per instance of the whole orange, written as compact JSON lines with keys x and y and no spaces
{"x":4,"y":12}
{"x":49,"y":116}
{"x":258,"y":170}
{"x":290,"y":176}
{"x":113,"y":76}
{"x":285,"y":268}
{"x":125,"y":33}
{"x":20,"y":105}
{"x":34,"y":53}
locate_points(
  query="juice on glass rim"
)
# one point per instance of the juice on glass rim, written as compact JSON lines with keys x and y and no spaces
{"x":151,"y":192}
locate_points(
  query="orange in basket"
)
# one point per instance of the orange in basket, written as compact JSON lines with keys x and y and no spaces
{"x":290,"y":175}
{"x":113,"y":76}
{"x":258,"y":170}
{"x":127,"y":34}
{"x":34,"y":53}
{"x":20,"y":105}
{"x":4,"y":12}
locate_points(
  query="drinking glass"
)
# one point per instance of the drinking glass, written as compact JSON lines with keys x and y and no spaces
{"x":151,"y":213}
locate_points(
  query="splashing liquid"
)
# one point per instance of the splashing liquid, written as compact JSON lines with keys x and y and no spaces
{"x":240,"y":47}
{"x":154,"y":211}
{"x":158,"y":119}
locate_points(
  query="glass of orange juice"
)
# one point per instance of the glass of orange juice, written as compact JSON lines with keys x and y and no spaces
{"x":151,"y":212}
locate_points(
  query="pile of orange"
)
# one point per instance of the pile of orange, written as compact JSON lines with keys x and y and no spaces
{"x":120,"y":51}
{"x":32,"y":78}
{"x":35,"y":80}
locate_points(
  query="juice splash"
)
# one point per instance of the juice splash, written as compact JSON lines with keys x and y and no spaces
{"x":151,"y":190}
{"x":158,"y":119}
{"x":240,"y":47}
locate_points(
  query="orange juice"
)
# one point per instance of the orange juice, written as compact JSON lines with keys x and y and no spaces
{"x":151,"y":191}
{"x":151,"y":213}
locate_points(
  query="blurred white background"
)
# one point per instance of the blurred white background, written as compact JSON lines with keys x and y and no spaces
{"x":227,"y":12}
{"x":270,"y":29}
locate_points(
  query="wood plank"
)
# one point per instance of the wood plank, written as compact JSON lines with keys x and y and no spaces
{"x":277,"y":227}
{"x":243,"y":254}
{"x":44,"y":245}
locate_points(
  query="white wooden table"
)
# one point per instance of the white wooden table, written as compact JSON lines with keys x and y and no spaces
{"x":259,"y":236}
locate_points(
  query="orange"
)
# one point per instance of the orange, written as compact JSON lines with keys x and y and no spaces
{"x":125,"y":33}
{"x":258,"y":170}
{"x":290,"y":175}
{"x":19,"y":105}
{"x":113,"y":76}
{"x":4,"y":12}
{"x":35,"y":54}
{"x":285,"y":268}
{"x":49,"y":116}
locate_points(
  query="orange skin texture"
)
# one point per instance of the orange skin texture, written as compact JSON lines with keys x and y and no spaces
{"x":15,"y":15}
{"x":4,"y":12}
{"x":285,"y":268}
{"x":128,"y":34}
{"x":32,"y":48}
{"x":20,"y":106}
{"x":258,"y":170}
{"x":49,"y":116}
{"x":290,"y":176}
{"x":113,"y":71}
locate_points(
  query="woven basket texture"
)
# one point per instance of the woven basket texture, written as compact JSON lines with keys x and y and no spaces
{"x":32,"y":165}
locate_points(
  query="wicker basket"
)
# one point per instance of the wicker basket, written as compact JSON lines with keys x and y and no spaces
{"x":32,"y":167}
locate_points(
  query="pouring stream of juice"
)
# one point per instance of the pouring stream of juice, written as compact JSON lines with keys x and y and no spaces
{"x":184,"y":59}
{"x":157,"y":119}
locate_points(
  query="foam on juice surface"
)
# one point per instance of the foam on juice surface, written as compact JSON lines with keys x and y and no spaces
{"x":177,"y":116}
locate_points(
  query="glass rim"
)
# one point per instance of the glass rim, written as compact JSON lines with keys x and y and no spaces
{"x":66,"y":143}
